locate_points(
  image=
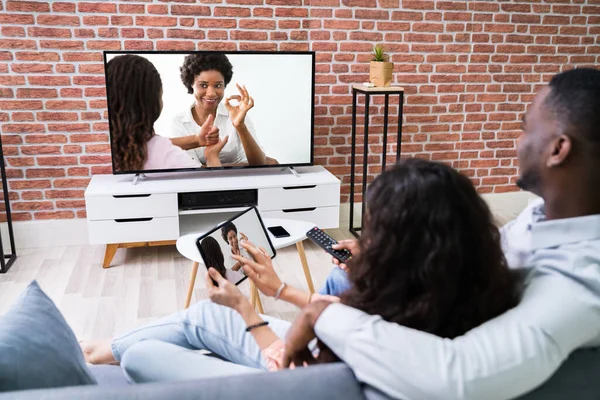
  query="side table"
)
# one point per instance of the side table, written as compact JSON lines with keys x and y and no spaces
{"x":186,"y":245}
{"x":368,"y":91}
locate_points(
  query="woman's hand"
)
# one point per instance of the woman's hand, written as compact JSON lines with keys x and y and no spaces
{"x":245,"y":103}
{"x":226,"y":294}
{"x":211,"y":153}
{"x":243,"y":236}
{"x":260,"y":270}
{"x":209,"y":134}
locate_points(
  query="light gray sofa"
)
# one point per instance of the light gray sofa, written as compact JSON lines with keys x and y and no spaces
{"x":578,"y":378}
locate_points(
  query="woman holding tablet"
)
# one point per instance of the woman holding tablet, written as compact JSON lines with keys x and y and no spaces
{"x":430,"y":260}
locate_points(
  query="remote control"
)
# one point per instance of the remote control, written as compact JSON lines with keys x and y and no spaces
{"x":325,"y":241}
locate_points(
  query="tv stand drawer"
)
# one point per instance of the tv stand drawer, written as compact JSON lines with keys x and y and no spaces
{"x":127,"y":230}
{"x":131,"y":206}
{"x":323,"y":217}
{"x":298,"y":197}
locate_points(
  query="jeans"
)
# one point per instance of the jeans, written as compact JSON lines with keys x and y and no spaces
{"x":166,"y":350}
{"x":162,"y":351}
{"x":337,"y":282}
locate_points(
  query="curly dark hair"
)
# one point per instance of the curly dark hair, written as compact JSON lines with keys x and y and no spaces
{"x":134,"y":90}
{"x":430,"y":255}
{"x":229,"y":226}
{"x":196,"y":63}
{"x":213,"y":255}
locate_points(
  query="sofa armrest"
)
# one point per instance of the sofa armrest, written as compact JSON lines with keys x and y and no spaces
{"x":577,"y":378}
{"x":328,"y":381}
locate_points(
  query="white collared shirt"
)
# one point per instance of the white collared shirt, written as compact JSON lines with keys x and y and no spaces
{"x":183,"y":124}
{"x":505,"y":357}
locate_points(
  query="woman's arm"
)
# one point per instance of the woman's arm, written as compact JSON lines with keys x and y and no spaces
{"x":254,"y":153}
{"x":260,"y":270}
{"x":186,"y":142}
{"x":237,"y":114}
{"x":229,"y":295}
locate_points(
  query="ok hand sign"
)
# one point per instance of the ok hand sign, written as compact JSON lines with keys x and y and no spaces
{"x":245,"y":102}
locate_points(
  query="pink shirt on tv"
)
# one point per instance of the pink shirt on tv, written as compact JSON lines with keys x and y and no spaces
{"x":162,"y":154}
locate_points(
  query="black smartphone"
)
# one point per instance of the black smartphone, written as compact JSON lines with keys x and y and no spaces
{"x":217,"y":245}
{"x":278,"y":231}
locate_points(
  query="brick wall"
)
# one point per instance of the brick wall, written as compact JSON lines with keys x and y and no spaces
{"x":469,"y":69}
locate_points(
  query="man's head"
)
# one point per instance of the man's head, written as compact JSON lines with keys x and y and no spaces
{"x":561,"y":132}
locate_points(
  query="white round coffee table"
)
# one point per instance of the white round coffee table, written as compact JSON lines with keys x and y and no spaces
{"x":186,"y":245}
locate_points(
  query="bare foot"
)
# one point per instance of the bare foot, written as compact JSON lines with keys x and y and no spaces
{"x":98,"y":352}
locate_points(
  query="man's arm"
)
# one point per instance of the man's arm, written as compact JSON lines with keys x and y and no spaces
{"x":503,"y":358}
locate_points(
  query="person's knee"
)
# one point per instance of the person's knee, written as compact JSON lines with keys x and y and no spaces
{"x":337,"y":282}
{"x":338,"y":274}
{"x":139,"y":359}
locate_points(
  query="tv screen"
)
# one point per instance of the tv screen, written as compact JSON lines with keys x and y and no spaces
{"x":174,"y":111}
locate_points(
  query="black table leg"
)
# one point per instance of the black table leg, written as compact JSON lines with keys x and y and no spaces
{"x":7,"y":259}
{"x":385,"y":129}
{"x":353,"y":162}
{"x":365,"y":155}
{"x":399,"y":139}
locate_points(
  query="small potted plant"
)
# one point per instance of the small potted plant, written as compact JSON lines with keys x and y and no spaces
{"x":380,"y":73}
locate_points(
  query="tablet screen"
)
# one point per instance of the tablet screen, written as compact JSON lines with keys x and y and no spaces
{"x":218,"y":246}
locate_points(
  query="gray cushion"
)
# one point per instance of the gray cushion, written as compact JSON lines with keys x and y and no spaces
{"x":323,"y":382}
{"x":111,"y":375}
{"x":37,"y":347}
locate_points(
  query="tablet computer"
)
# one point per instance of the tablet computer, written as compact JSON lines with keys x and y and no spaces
{"x":218,"y":245}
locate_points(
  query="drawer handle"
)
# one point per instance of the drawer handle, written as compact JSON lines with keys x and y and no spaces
{"x":128,"y":196}
{"x":134,"y":219}
{"x":293,"y":210}
{"x":299,"y":187}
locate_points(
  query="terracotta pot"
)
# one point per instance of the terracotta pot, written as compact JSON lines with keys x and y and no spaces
{"x":380,"y":73}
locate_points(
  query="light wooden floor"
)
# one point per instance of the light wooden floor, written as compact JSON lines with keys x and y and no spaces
{"x":144,"y":283}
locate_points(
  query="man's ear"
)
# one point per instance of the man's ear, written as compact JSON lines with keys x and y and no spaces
{"x":560,"y":151}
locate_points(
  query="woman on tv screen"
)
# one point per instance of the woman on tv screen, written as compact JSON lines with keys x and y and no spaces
{"x":205,"y":75}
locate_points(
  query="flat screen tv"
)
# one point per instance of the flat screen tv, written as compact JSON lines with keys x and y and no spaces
{"x":202,"y":110}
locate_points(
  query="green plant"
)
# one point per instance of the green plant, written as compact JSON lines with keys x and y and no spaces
{"x":379,"y":53}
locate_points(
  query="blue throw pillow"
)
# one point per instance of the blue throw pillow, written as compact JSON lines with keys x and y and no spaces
{"x":37,"y":347}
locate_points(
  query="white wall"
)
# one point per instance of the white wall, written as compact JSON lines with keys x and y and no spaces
{"x":281,"y":85}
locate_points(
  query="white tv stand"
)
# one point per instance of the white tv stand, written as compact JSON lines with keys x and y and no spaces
{"x":121,"y":214}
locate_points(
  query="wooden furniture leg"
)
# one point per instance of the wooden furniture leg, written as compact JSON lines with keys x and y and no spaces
{"x":255,"y":299}
{"x":112,"y":248}
{"x":302,"y":254}
{"x":192,"y":282}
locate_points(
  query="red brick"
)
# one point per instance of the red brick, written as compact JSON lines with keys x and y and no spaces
{"x":32,"y":195}
{"x":45,"y":173}
{"x":17,"y":44}
{"x":78,"y":171}
{"x":29,"y":184}
{"x":32,"y":205}
{"x":62,"y":44}
{"x":21,"y":19}
{"x":64,"y":194}
{"x":54,"y":215}
{"x":57,"y":160}
{"x":27,"y":6}
{"x":156,"y":21}
{"x":20,"y":105}
{"x":194,"y":10}
{"x":71,"y":183}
